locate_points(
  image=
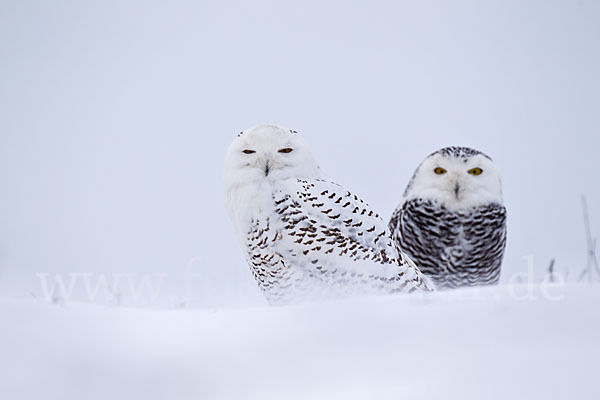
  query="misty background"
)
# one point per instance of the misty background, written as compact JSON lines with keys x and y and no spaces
{"x":115,"y":117}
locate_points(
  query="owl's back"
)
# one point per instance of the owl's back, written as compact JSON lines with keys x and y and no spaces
{"x":318,"y":240}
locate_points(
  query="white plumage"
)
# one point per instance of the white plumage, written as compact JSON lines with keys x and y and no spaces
{"x":305,"y":236}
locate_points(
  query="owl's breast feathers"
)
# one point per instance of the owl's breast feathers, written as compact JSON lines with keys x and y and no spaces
{"x":455,"y":248}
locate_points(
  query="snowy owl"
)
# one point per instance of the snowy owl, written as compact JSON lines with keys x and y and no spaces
{"x":304,"y":236}
{"x":452,"y":221}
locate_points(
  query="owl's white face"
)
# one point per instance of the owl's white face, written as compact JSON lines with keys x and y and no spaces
{"x":457,"y":182}
{"x":268,"y":153}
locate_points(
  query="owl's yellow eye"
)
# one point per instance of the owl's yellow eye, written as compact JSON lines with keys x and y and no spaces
{"x":248,"y":151}
{"x":286,"y":150}
{"x":440,"y":171}
{"x":475,"y":171}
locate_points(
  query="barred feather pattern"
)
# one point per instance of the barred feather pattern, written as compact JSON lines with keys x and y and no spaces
{"x":454,"y":248}
{"x":320,"y":240}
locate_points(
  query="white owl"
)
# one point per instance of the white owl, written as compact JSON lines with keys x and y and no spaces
{"x":451,"y":220}
{"x":304,"y":236}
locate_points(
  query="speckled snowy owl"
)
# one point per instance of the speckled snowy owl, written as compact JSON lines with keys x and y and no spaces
{"x":304,"y":236}
{"x":451,"y":220}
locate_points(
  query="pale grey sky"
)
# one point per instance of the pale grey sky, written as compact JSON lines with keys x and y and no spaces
{"x":115,"y":116}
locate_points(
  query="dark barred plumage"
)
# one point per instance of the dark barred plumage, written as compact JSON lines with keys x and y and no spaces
{"x":454,"y":248}
{"x":459,"y":152}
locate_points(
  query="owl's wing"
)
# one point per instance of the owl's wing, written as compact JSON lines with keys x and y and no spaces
{"x":332,"y":228}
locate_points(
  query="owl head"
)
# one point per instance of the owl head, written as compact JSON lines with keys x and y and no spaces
{"x":267,"y":153}
{"x":456,"y":178}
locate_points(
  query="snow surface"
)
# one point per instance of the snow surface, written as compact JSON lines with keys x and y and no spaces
{"x":471,"y":344}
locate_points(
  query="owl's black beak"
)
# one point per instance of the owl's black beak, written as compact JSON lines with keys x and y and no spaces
{"x":456,"y":189}
{"x":267,"y":169}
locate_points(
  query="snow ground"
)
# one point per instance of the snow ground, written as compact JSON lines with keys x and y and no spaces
{"x":469,"y":344}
